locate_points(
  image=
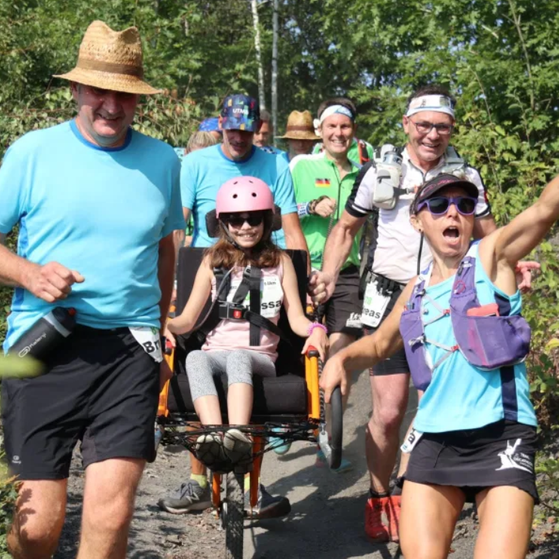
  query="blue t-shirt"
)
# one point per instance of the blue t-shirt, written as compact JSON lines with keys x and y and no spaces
{"x":205,"y":170}
{"x":100,"y":211}
{"x":461,"y":396}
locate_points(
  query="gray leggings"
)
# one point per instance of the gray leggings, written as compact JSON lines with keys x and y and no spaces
{"x":240,"y":365}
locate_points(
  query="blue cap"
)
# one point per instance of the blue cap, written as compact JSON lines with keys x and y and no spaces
{"x":240,"y":112}
{"x":210,"y":125}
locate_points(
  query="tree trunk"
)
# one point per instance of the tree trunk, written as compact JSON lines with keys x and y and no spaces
{"x":258,"y":55}
{"x":275,"y":69}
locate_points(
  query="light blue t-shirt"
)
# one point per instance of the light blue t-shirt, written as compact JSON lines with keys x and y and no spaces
{"x":461,"y":396}
{"x":100,"y":211}
{"x":205,"y":170}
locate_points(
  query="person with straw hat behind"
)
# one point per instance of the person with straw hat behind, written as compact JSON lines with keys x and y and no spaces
{"x":97,"y":203}
{"x":299,"y":134}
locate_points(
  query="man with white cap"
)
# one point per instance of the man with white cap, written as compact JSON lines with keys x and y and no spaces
{"x":97,"y":204}
{"x":386,"y":187}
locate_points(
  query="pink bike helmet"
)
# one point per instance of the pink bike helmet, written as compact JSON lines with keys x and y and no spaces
{"x":243,"y":194}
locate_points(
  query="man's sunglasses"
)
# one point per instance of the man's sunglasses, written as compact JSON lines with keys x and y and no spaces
{"x":253,"y":219}
{"x":439,"y":205}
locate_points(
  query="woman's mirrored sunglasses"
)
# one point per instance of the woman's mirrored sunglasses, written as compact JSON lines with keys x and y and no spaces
{"x":235,"y":220}
{"x":438,"y":205}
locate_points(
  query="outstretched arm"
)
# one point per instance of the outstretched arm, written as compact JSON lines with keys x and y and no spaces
{"x":367,"y":351}
{"x":501,"y":251}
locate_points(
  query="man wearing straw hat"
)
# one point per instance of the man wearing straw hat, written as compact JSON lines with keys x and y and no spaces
{"x":97,"y":204}
{"x":299,"y":134}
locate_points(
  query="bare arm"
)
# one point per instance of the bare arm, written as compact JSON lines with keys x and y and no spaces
{"x":200,"y":292}
{"x":179,"y":235}
{"x":483,"y":226}
{"x":368,"y":351}
{"x":294,"y":237}
{"x":50,"y":282}
{"x":165,"y":274}
{"x":501,"y":250}
{"x":298,"y":321}
{"x":336,"y":251}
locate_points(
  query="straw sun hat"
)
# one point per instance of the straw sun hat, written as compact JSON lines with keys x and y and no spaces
{"x":110,"y":60}
{"x":300,"y":127}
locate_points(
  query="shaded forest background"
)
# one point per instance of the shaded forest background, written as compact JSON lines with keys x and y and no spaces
{"x":499,"y":57}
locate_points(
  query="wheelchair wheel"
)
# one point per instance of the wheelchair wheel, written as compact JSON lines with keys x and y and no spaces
{"x":233,"y":513}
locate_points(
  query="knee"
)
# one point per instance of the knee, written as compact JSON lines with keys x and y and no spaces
{"x":34,"y":535}
{"x":387,"y":418}
{"x":104,"y":516}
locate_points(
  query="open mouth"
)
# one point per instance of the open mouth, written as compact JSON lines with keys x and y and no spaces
{"x":451,"y":233}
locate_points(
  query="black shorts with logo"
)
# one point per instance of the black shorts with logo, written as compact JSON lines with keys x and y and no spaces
{"x":397,"y":363}
{"x":343,"y":309}
{"x":502,"y":453}
{"x":99,"y":387}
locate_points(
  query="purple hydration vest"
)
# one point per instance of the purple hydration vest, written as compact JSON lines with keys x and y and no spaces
{"x":486,"y":342}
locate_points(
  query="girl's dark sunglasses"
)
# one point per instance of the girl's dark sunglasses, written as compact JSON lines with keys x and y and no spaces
{"x":253,"y":219}
{"x":439,"y":205}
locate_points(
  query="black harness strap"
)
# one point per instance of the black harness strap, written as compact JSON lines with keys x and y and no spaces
{"x":250,"y":284}
{"x":254,"y":288}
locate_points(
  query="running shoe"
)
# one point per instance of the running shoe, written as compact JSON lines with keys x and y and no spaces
{"x":267,"y":506}
{"x":238,"y":449}
{"x":187,"y":498}
{"x":279,"y":445}
{"x":375,"y":525}
{"x":321,"y":462}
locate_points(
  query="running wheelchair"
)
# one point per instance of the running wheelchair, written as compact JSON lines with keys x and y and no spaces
{"x":288,"y":407}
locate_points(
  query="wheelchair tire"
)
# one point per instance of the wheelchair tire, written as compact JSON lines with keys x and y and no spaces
{"x":337,"y":428}
{"x":233,"y":515}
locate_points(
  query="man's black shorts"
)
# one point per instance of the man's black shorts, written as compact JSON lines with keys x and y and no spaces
{"x":398,"y":363}
{"x":501,"y":453}
{"x":343,"y":309}
{"x":99,"y":387}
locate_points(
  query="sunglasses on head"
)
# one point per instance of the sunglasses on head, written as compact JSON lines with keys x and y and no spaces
{"x":438,"y":205}
{"x":253,"y":219}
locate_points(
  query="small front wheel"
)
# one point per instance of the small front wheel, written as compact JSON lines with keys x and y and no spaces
{"x":233,"y":512}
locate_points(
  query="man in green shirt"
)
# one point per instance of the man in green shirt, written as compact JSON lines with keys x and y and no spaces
{"x":322,"y":184}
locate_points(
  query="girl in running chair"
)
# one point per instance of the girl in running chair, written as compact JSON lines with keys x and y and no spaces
{"x":465,"y":339}
{"x":246,"y":217}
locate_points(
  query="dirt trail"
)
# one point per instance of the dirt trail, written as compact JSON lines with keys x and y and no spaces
{"x":326,"y":521}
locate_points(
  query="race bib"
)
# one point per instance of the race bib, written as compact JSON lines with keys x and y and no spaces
{"x":374,"y":305}
{"x":271,"y":295}
{"x":411,"y":440}
{"x":148,"y":338}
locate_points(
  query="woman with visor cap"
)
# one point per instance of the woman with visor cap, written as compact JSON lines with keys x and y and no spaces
{"x":459,"y":322}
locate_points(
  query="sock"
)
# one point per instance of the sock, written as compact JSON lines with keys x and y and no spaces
{"x":397,"y":489}
{"x":375,"y":495}
{"x":201,"y":479}
{"x":247,"y":482}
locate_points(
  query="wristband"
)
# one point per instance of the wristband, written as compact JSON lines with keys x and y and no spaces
{"x":314,"y":325}
{"x":303,"y":209}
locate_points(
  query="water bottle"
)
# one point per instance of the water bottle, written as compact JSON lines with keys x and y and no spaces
{"x":46,"y":334}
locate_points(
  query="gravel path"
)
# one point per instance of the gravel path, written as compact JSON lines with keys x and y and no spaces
{"x":326,"y":521}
